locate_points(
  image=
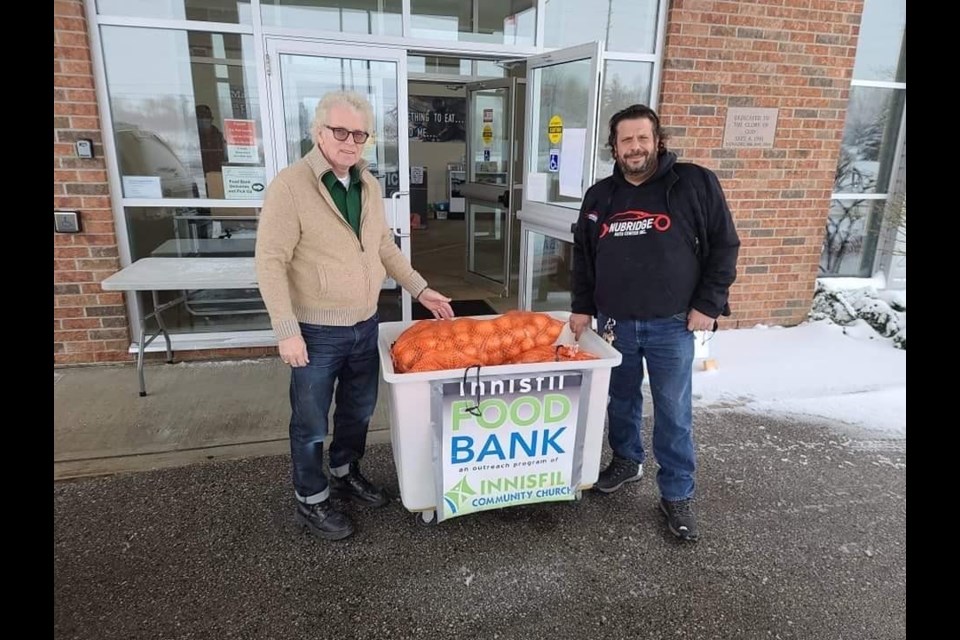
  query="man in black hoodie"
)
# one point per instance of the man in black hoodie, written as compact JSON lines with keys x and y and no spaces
{"x":655,"y":253}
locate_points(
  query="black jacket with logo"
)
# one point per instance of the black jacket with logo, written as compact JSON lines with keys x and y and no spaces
{"x":657,"y":249}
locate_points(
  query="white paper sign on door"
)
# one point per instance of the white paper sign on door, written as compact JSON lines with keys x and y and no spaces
{"x":537,"y":187}
{"x":571,"y":162}
{"x":142,"y":187}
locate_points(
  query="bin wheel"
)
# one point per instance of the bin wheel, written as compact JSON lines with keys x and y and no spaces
{"x":426,"y":518}
{"x":578,"y":495}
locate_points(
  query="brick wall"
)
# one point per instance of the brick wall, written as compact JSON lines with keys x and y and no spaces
{"x":765,"y":53}
{"x":89,"y":324}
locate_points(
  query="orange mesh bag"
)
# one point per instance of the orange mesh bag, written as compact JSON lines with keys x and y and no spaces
{"x":434,"y":345}
{"x":552,"y":353}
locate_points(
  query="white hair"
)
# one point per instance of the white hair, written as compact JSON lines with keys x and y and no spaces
{"x":350,"y":99}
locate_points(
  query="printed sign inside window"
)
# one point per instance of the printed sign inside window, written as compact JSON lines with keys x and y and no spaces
{"x":437,"y":119}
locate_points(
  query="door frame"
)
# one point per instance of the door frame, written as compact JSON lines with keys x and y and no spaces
{"x":397,"y":206}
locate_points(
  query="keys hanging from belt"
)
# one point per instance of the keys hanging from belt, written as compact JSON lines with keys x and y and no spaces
{"x":608,"y":334}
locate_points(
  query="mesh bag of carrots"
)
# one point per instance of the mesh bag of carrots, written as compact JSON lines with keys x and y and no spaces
{"x":516,"y":337}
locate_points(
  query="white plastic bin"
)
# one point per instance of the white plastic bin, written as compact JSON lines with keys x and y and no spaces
{"x":411,"y":429}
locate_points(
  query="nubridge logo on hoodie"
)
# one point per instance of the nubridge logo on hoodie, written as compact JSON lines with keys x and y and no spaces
{"x":634,"y":223}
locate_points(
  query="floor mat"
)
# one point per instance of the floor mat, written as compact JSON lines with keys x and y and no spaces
{"x":460,"y":308}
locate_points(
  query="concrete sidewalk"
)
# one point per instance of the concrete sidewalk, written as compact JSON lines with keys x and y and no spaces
{"x":194,"y":411}
{"x":804,"y":532}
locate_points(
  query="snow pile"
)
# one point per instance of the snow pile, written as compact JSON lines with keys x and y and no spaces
{"x":863,"y":311}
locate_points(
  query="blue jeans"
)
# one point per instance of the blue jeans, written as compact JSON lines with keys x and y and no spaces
{"x":667,"y":347}
{"x":341,"y":357}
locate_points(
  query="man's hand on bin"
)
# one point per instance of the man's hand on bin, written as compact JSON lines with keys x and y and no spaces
{"x":437,"y":303}
{"x":579,"y":322}
{"x":293,"y":351}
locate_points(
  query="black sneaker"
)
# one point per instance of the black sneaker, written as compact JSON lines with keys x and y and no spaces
{"x":619,"y":472}
{"x":357,"y":488}
{"x":680,"y":518}
{"x":322,"y":520}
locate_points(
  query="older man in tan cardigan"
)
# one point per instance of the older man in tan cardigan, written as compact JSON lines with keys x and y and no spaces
{"x":323,"y":251}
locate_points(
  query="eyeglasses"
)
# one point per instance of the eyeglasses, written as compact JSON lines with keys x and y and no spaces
{"x":341,"y":134}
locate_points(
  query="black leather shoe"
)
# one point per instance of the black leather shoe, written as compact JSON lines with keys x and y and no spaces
{"x":357,"y":488}
{"x":323,"y":520}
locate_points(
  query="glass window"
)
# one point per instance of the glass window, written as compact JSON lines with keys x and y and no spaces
{"x":624,"y":83}
{"x":186,"y":114}
{"x":487,"y":248}
{"x":439,"y":66}
{"x":551,"y":261}
{"x":869,"y":145}
{"x":490,"y":135}
{"x":511,"y":22}
{"x":563,"y":95}
{"x":624,"y":25}
{"x":869,"y":140}
{"x":233,"y":11}
{"x":306,"y":79}
{"x":440,"y":19}
{"x":507,"y":21}
{"x":377,"y":17}
{"x":177,"y":232}
{"x":487,"y":69}
{"x":846,"y":237}
{"x":164,"y":232}
{"x":881,"y":47}
{"x":455,"y":68}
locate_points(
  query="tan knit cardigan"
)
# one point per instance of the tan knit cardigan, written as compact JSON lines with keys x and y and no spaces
{"x":311,"y":266}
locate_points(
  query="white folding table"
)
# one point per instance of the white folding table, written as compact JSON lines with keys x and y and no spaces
{"x":176,"y":274}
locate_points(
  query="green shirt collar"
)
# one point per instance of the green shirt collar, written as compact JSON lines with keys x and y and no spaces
{"x":329,"y":178}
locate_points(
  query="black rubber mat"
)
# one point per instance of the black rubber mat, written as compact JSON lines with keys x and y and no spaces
{"x":460,"y":308}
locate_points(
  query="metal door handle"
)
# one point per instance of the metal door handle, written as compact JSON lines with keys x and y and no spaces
{"x":397,"y":231}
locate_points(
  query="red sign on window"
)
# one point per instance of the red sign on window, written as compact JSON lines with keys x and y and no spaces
{"x":240,"y":132}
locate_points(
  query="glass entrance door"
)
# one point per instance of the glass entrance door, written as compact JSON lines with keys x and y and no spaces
{"x":489,"y":191}
{"x":300,"y":74}
{"x":563,"y":90}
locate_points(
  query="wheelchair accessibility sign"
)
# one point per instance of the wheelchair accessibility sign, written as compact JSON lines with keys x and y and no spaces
{"x":554,"y":160}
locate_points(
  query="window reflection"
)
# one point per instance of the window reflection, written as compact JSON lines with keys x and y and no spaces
{"x":869,"y":145}
{"x":439,"y":65}
{"x":624,"y":25}
{"x":881,"y":45}
{"x":564,"y":92}
{"x":551,"y":261}
{"x":624,"y":83}
{"x":377,"y":17}
{"x":510,"y":22}
{"x":187,"y":232}
{"x":185,"y":112}
{"x":869,"y":140}
{"x":847,"y":237}
{"x":234,"y":11}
